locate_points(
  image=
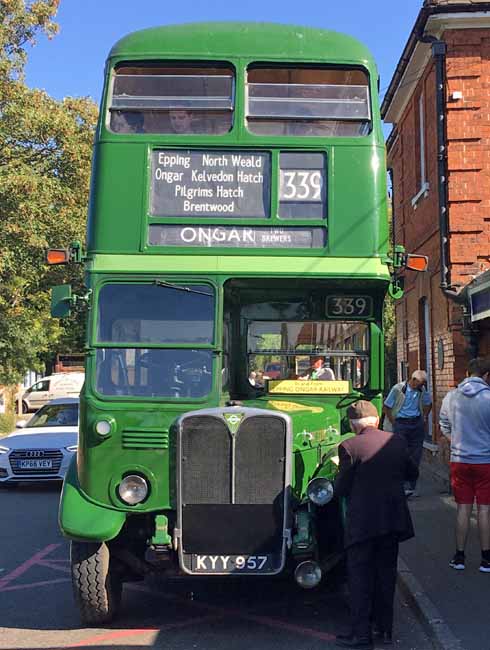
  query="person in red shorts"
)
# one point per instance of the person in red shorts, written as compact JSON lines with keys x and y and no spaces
{"x":465,"y":419}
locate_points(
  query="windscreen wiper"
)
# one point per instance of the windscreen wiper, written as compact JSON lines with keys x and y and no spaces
{"x":178,"y":287}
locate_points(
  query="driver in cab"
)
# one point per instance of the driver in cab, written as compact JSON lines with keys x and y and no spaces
{"x":318,"y":370}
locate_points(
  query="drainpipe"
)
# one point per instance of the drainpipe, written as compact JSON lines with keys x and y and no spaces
{"x":469,"y":331}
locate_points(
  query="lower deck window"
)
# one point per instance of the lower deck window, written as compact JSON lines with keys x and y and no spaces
{"x":316,"y":350}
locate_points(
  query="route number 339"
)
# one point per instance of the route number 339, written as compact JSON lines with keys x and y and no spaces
{"x":349,"y":306}
{"x":300,"y":185}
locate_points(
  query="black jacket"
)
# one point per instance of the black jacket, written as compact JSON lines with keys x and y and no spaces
{"x":373,"y":467}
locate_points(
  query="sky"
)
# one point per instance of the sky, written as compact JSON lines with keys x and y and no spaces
{"x":72,"y":63}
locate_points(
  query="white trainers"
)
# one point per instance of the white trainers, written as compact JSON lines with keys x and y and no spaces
{"x":457,"y":562}
{"x":485,"y":566}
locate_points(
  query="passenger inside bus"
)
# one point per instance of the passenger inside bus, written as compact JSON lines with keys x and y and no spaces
{"x":319,"y":370}
{"x":181,"y":121}
{"x":128,"y":122}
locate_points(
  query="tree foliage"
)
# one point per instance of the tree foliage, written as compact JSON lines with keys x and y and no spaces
{"x":389,"y":324}
{"x":45,"y":154}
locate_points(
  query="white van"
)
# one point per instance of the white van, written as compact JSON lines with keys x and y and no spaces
{"x":62,"y":384}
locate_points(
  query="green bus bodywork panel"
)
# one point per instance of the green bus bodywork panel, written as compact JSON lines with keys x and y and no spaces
{"x":80,"y":518}
{"x":241,"y":39}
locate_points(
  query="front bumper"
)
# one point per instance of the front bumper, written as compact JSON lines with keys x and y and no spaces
{"x":17,"y":466}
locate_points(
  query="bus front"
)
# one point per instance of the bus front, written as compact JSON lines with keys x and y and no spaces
{"x":236,"y":267}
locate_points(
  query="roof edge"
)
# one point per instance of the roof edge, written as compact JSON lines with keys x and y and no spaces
{"x":417,"y":31}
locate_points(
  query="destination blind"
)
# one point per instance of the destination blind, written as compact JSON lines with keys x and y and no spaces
{"x":213,"y":184}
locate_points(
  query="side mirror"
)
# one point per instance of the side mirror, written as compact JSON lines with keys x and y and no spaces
{"x":61,"y":301}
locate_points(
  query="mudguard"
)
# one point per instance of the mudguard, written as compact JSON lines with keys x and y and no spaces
{"x":81,"y":519}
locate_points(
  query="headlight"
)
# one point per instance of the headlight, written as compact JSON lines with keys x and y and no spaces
{"x":308,"y":574}
{"x":72,"y":448}
{"x":320,"y":491}
{"x":4,"y":450}
{"x":104,"y":427}
{"x":133,"y":489}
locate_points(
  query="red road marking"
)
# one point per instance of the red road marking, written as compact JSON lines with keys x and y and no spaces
{"x":25,"y":566}
{"x":35,"y":584}
{"x":124,"y":633}
{"x":57,"y":567}
{"x":299,"y":629}
{"x":263,"y":620}
{"x":219,"y":612}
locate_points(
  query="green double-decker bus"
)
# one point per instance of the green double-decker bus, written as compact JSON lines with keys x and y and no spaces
{"x":236,"y":267}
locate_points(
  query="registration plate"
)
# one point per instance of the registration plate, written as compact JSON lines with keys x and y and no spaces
{"x":36,"y":463}
{"x":233,"y":563}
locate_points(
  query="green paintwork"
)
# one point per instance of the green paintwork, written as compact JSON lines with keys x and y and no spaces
{"x":161,"y":536}
{"x":355,"y":257}
{"x":80,"y":518}
{"x":233,"y":266}
{"x":61,"y":301}
{"x":231,"y":40}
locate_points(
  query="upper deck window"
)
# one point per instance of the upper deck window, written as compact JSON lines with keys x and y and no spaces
{"x":307,"y":101}
{"x":173,"y":99}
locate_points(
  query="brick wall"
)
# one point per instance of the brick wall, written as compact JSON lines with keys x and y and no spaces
{"x":417,"y":227}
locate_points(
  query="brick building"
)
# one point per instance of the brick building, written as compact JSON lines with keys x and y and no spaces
{"x":439,"y":158}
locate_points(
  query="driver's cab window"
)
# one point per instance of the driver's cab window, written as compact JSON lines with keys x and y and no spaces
{"x":155,"y":327}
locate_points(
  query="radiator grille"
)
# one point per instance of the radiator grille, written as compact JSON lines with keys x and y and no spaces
{"x":54,"y":455}
{"x":145,"y":438}
{"x":206,"y":460}
{"x":260,"y":460}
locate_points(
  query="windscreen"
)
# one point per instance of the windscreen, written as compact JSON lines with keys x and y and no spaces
{"x":135,"y":316}
{"x":314,"y":350}
{"x":145,"y":313}
{"x":308,"y":101}
{"x":55,"y":415}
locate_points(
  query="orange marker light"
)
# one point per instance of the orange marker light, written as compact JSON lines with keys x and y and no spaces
{"x":417,"y":262}
{"x":57,"y":256}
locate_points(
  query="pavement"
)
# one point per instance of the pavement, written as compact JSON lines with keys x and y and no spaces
{"x":453,"y":606}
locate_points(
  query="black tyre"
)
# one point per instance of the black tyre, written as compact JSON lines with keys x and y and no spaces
{"x":25,"y":408}
{"x":96,"y":586}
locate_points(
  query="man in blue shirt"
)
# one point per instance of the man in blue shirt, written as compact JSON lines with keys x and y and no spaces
{"x":407,"y":406}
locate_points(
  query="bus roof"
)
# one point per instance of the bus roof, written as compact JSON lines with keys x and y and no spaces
{"x":223,"y":40}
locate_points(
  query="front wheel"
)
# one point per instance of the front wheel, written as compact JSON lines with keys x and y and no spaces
{"x":96,"y":585}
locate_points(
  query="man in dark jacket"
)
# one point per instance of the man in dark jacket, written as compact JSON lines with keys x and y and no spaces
{"x":373,"y":467}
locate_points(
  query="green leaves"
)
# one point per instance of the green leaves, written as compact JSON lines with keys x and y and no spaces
{"x":45,"y":159}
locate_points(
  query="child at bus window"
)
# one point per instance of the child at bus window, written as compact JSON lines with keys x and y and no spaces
{"x":181,"y":121}
{"x":127,"y":122}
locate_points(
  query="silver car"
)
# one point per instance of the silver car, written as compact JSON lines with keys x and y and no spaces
{"x":42,"y":449}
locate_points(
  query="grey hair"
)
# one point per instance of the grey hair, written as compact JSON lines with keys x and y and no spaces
{"x":362,"y":423}
{"x":419,"y":375}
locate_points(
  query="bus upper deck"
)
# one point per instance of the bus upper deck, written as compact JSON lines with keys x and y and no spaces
{"x":254,"y":139}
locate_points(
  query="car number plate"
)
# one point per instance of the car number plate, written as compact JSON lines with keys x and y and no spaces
{"x":233,"y":563}
{"x":36,"y":463}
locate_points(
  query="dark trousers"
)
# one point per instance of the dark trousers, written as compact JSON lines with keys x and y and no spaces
{"x":413,"y":430}
{"x":371,"y":574}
